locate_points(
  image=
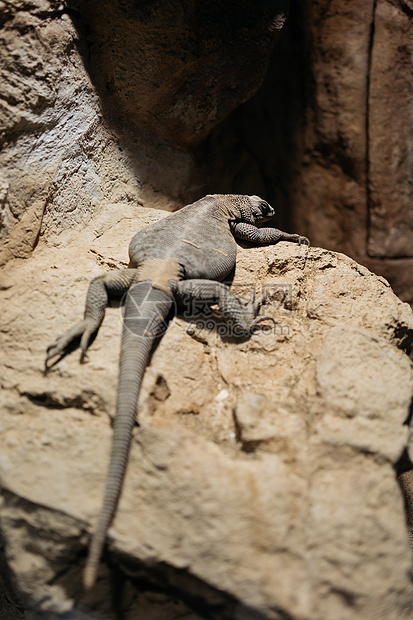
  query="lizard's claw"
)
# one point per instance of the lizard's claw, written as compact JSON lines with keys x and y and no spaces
{"x":85,"y":342}
{"x":260,"y":319}
{"x":63,"y":345}
{"x":255,"y":304}
{"x":81,"y":333}
{"x":251,"y":309}
{"x":303,"y":241}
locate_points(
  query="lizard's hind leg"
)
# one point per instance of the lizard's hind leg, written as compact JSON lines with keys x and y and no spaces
{"x":240,"y":315}
{"x":103,"y":289}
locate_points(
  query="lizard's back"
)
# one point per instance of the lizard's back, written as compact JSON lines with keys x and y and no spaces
{"x":194,"y":236}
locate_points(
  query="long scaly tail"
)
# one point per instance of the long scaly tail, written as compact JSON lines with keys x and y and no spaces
{"x":146,"y":309}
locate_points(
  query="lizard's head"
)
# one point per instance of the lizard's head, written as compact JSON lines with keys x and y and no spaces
{"x":261,"y":210}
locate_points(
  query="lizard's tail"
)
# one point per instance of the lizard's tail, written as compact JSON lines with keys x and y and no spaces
{"x":146,"y":309}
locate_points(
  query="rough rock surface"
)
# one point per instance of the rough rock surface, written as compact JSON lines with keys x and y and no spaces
{"x":58,"y":159}
{"x":261,"y":481}
{"x":390,"y":131}
{"x":178,"y":67}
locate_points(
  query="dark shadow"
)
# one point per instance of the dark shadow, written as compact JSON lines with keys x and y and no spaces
{"x":255,"y":150}
{"x":219,"y":46}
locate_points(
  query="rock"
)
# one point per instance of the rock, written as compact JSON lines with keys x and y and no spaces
{"x":261,"y":481}
{"x":390,"y":132}
{"x":179,"y":68}
{"x":58,"y":158}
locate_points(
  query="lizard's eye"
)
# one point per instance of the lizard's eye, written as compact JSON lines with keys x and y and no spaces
{"x":266,"y":209}
{"x":261,"y":208}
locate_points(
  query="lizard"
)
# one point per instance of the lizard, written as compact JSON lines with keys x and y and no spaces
{"x":182,"y":258}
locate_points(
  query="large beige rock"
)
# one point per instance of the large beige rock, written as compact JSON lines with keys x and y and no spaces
{"x":261,"y":480}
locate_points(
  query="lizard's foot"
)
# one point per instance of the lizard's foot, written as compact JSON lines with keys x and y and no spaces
{"x":253,"y":305}
{"x":303,"y":240}
{"x":251,"y":309}
{"x":69,"y":341}
{"x":260,"y":319}
{"x":294,"y":238}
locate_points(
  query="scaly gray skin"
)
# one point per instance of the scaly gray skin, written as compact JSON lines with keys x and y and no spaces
{"x":182,"y":258}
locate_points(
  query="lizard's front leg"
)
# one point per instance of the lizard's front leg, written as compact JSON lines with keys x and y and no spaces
{"x":242,"y":316}
{"x":102,"y":290}
{"x":249,"y":232}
